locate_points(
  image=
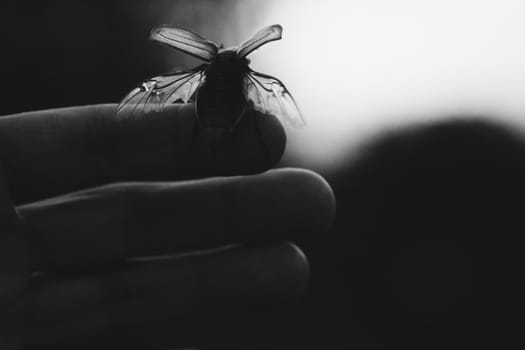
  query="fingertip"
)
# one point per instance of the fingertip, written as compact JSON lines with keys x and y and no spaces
{"x":273,"y":136}
{"x":275,"y":273}
{"x":298,"y":276}
{"x":323,"y":195}
{"x":294,"y":203}
{"x":317,"y":203}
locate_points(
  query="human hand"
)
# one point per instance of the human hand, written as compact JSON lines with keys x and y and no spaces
{"x":84,"y":244}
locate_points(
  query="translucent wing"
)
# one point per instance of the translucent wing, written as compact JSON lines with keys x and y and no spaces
{"x":265,"y":35}
{"x":186,"y":41}
{"x":155,"y":93}
{"x":269,"y":95}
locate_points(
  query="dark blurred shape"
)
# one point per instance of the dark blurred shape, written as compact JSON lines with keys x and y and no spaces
{"x":427,"y":251}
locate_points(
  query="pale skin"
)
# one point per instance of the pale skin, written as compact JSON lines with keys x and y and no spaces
{"x":83,"y":193}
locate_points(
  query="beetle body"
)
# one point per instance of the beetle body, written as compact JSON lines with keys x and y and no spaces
{"x":220,"y":100}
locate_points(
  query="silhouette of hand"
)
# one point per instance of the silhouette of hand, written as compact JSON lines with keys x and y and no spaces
{"x":119,"y":222}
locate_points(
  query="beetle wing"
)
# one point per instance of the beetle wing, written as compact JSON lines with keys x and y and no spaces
{"x":186,"y":41}
{"x":268,"y":95}
{"x":155,"y":93}
{"x":265,"y":35}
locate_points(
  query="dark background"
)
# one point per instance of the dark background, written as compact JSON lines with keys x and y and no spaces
{"x":426,"y":251}
{"x":63,"y":53}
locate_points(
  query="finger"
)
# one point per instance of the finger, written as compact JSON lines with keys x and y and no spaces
{"x":231,"y":278}
{"x":55,"y":151}
{"x":117,"y":221}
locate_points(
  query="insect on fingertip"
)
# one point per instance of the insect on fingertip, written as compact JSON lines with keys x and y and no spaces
{"x":221,"y":88}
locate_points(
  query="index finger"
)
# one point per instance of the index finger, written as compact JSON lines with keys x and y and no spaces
{"x":59,"y":150}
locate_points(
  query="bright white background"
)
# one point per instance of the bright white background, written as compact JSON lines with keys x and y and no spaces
{"x":358,"y":68}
